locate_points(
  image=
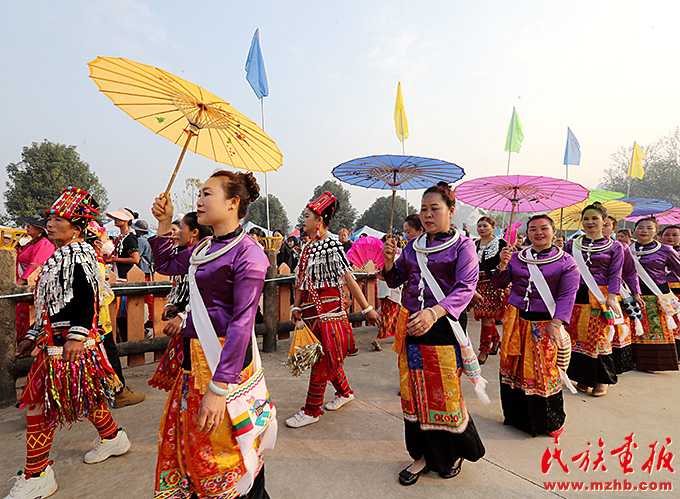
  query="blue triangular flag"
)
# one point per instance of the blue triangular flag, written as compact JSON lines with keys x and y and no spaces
{"x":572,"y":153}
{"x":255,"y":72}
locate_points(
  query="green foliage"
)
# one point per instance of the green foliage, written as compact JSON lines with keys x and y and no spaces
{"x":45,"y":169}
{"x":344,"y":218}
{"x":278,"y":219}
{"x":377,"y":215}
{"x":662,"y":172}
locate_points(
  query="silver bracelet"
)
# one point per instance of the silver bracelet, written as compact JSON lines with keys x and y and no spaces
{"x":217,"y":390}
{"x":436,"y":317}
{"x":367,"y":309}
{"x":556,"y":325}
{"x":292,"y":309}
{"x":76,"y":337}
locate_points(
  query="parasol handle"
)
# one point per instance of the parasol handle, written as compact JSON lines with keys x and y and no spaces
{"x":190,"y":133}
{"x":394,"y":193}
{"x":512,"y":216}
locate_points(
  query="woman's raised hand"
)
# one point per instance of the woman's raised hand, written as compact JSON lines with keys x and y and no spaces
{"x":162,"y":208}
{"x":389,"y":250}
{"x":505,"y":255}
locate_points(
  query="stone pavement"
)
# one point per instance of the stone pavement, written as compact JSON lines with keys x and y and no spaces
{"x":358,"y":451}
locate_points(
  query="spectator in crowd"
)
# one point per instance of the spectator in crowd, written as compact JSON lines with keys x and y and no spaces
{"x":289,"y":254}
{"x":30,"y":258}
{"x":124,"y":256}
{"x":412,"y":226}
{"x":141,"y":228}
{"x":343,"y":235}
{"x":174,"y":231}
{"x":624,"y":236}
{"x":257,"y":234}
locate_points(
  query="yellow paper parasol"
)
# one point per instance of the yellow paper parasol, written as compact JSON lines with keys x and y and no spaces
{"x":179,"y":110}
{"x":571,"y":215}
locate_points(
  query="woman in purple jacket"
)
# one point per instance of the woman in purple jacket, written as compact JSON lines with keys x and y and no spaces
{"x":197,"y":449}
{"x":670,"y":235}
{"x":655,"y":349}
{"x":622,"y":343}
{"x":592,"y":363}
{"x":531,"y":391}
{"x":439,"y":431}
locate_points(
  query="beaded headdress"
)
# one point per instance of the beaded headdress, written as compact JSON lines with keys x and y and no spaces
{"x":325,"y":206}
{"x":93,"y":229}
{"x":75,"y":205}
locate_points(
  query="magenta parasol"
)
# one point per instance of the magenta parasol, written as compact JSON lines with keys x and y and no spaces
{"x":668,"y":217}
{"x":520,"y":193}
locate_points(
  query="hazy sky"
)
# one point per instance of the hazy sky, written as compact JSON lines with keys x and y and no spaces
{"x":606,"y":69}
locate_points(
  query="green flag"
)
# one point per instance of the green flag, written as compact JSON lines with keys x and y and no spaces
{"x":515,"y":134}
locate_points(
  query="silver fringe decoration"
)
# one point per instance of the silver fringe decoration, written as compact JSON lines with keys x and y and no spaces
{"x":54,"y":286}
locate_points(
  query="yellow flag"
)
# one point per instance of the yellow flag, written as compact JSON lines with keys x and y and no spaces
{"x":635,"y":168}
{"x":400,"y":120}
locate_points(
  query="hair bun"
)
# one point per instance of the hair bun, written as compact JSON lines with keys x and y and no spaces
{"x":445,"y":185}
{"x":251,"y":185}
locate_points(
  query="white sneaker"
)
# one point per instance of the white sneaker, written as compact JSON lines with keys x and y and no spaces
{"x":34,"y":488}
{"x":338,"y":402}
{"x":104,"y":449}
{"x":301,"y":419}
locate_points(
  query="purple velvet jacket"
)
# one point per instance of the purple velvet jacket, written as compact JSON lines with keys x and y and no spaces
{"x":658,"y":262}
{"x":562,"y":277}
{"x":630,"y":276}
{"x":605,"y":266}
{"x":456,"y":270}
{"x":672,"y":277}
{"x":231,"y":287}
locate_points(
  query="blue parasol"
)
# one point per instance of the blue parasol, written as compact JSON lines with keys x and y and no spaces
{"x":394,"y":172}
{"x":647,"y":206}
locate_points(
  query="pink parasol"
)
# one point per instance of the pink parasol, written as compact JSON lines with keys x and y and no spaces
{"x":668,"y":217}
{"x":520,"y":193}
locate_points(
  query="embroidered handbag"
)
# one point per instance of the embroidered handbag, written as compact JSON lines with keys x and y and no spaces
{"x":252,"y":415}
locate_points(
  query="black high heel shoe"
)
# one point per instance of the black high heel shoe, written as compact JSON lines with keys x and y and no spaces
{"x":453,"y":472}
{"x":408,"y":478}
{"x":494,"y":349}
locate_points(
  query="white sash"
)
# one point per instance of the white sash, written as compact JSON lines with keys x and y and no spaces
{"x":461,"y":335}
{"x":595,"y":289}
{"x":646,"y":278}
{"x":203,"y":326}
{"x":668,"y":301}
{"x":538,"y":279}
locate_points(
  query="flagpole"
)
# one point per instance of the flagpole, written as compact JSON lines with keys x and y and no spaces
{"x":630,"y":171}
{"x":566,"y":177}
{"x":512,"y":130}
{"x":403,"y":153}
{"x":266,"y":186}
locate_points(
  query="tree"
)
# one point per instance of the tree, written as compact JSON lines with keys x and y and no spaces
{"x":278,"y":219}
{"x":45,"y":169}
{"x":344,"y":218}
{"x":662,"y":175}
{"x":185,"y":202}
{"x":377,"y":215}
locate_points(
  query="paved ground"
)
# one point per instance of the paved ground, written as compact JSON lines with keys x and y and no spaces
{"x":358,"y":451}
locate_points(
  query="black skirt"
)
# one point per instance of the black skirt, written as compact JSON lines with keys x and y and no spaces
{"x":442,"y":448}
{"x":589,"y":370}
{"x":532,"y":414}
